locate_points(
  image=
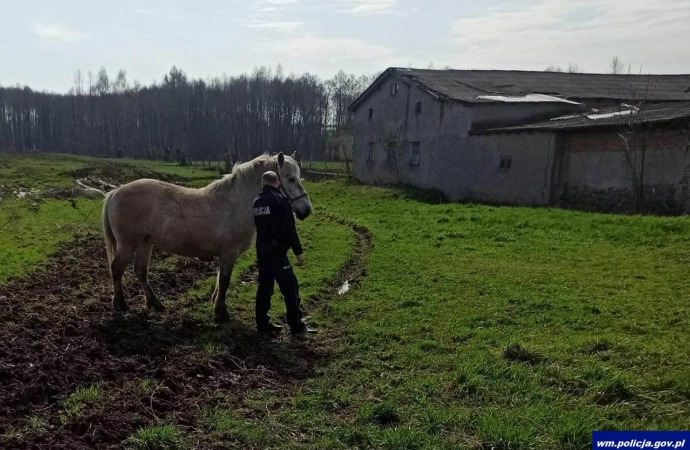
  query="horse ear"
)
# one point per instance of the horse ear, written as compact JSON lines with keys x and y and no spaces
{"x":281,"y":159}
{"x":293,"y":155}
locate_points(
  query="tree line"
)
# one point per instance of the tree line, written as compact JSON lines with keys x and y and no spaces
{"x":182,"y":118}
{"x":616,"y":67}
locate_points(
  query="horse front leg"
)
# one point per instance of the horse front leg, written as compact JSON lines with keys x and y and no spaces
{"x":220,"y":310}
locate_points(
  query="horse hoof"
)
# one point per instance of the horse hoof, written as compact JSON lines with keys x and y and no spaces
{"x":120,"y":306}
{"x":221,"y":316}
{"x":156,"y":306}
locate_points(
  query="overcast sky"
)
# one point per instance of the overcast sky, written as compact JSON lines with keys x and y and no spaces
{"x":43,"y":42}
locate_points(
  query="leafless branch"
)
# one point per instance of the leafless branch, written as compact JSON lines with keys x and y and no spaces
{"x":633,"y":133}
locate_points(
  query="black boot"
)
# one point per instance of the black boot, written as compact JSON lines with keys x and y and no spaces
{"x":269,"y":328}
{"x":302,"y":329}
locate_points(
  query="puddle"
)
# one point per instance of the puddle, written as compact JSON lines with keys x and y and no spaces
{"x":344,"y":288}
{"x":98,"y":184}
{"x":23,"y":193}
{"x":88,"y":190}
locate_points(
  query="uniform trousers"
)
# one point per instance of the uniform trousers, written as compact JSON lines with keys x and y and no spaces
{"x":277,"y":269}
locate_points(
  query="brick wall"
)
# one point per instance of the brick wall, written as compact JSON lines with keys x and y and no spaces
{"x":608,"y":140}
{"x":598,"y":176}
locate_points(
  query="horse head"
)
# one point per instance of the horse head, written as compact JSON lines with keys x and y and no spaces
{"x":291,"y":185}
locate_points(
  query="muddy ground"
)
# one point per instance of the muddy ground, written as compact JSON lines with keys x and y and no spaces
{"x":58,"y":333}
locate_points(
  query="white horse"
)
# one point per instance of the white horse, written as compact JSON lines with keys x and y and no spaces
{"x":214,"y":221}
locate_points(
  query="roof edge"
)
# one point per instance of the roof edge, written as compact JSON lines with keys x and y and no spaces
{"x":545,"y":129}
{"x":353,"y":106}
{"x":407,"y":74}
{"x":397,"y":71}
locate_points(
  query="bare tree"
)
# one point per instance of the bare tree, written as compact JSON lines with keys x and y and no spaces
{"x":616,"y":66}
{"x":575,"y":68}
{"x":202,"y":119}
{"x":91,"y":83}
{"x":103,"y":82}
{"x":120,"y":85}
{"x":78,"y":82}
{"x":633,"y":132}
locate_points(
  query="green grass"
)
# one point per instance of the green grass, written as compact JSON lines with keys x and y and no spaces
{"x":326,"y":166}
{"x":80,"y":398}
{"x":326,"y":245}
{"x":206,"y":173}
{"x":476,"y":326}
{"x":36,"y":425}
{"x":507,"y":327}
{"x":227,"y":426}
{"x":29,"y":233}
{"x":164,"y":437}
{"x":31,"y":228}
{"x":148,"y":386}
{"x":38,"y":171}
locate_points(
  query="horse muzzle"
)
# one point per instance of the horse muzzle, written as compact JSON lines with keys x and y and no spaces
{"x":302,"y":214}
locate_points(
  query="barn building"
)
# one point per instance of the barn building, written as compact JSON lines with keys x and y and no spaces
{"x":590,"y":141}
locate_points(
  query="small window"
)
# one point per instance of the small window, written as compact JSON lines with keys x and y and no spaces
{"x":414,"y":155}
{"x":394,"y":88}
{"x":371,"y":112}
{"x":390,"y":152}
{"x":418,"y":108}
{"x":505,"y":163}
{"x":370,"y":156}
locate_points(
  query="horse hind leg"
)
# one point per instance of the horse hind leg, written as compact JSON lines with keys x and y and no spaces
{"x":220,"y":310}
{"x":141,"y":268}
{"x":122,"y":258}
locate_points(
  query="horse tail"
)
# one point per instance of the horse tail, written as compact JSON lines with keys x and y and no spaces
{"x":110,"y":241}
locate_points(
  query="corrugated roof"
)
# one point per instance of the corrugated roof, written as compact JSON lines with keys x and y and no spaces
{"x":607,"y":117}
{"x":471,"y":85}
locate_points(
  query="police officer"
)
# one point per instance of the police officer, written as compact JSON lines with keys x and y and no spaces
{"x":275,"y":235}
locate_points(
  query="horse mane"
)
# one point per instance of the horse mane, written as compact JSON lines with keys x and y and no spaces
{"x":239,"y":172}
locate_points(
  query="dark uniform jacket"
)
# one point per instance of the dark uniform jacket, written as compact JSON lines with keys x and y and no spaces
{"x":275,"y":225}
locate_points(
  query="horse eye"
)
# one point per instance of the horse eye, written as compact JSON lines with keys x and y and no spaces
{"x":292,"y":179}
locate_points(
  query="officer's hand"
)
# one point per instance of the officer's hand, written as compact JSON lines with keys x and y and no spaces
{"x":300,"y":260}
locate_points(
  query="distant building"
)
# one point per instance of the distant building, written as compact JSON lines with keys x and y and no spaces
{"x":528,"y":138}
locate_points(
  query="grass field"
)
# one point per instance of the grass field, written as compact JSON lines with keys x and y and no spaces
{"x":326,"y":166}
{"x":25,"y":224}
{"x":475,"y":326}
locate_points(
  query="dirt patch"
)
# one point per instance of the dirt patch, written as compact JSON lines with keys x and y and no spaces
{"x":250,"y":275}
{"x":58,"y":333}
{"x":94,"y":182}
{"x":85,"y":187}
{"x":24,"y":193}
{"x":120,"y":173}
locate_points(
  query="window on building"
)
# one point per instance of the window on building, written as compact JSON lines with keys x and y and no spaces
{"x":414,"y":154}
{"x":505,"y":163}
{"x":394,"y":88}
{"x":371,"y":113}
{"x":418,"y":108}
{"x":370,"y":155}
{"x":390,"y":152}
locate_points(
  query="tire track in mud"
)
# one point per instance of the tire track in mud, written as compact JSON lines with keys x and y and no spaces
{"x":58,"y":332}
{"x":352,"y":270}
